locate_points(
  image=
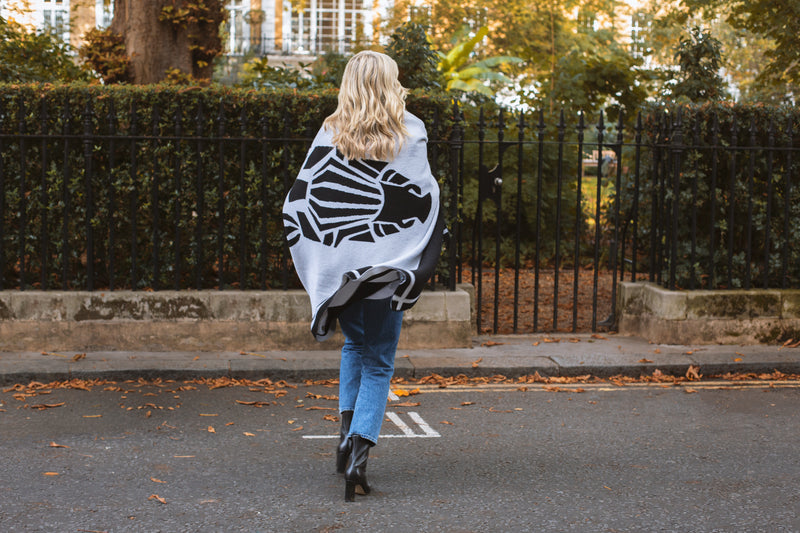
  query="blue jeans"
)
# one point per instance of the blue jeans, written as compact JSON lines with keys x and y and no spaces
{"x":371,"y":329}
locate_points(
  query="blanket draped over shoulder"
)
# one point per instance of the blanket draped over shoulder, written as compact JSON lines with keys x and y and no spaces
{"x":362,"y":228}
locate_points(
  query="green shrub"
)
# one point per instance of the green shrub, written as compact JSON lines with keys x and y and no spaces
{"x":737,"y":223}
{"x":155,"y":187}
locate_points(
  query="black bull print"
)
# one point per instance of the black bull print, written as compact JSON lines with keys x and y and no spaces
{"x":359,"y":200}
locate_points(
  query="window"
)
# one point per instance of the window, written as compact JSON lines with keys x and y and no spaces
{"x":328,"y":25}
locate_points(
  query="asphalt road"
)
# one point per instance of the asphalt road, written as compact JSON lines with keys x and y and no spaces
{"x":180,"y":457}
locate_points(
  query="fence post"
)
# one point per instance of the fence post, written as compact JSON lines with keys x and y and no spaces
{"x":23,"y":195}
{"x":732,"y":199}
{"x":562,"y":128}
{"x":133,"y":207}
{"x":539,"y":177}
{"x":518,"y":229}
{"x":770,"y":198}
{"x":456,"y":147}
{"x":43,"y":228}
{"x":612,"y":318}
{"x":677,"y":148}
{"x":750,"y":178}
{"x":635,"y":208}
{"x":578,"y":223}
{"x":787,"y":204}
{"x":89,"y":191}
{"x":600,"y":129}
{"x":713,"y":208}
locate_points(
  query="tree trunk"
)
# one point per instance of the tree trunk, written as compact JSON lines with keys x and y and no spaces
{"x":156,"y":46}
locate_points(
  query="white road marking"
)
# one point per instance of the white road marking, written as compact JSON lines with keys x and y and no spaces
{"x":393,"y":397}
{"x":408,"y":433}
{"x":399,"y":423}
{"x":429,"y":431}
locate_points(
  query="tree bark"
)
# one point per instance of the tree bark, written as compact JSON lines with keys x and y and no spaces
{"x":156,"y":46}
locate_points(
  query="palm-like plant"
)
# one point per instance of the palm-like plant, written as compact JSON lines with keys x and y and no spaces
{"x":472,"y":77}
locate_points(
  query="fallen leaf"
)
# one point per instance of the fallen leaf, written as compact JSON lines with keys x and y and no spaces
{"x":54,"y":445}
{"x":550,"y":340}
{"x":693,"y":373}
{"x":688,"y":352}
{"x":78,"y":356}
{"x":402,"y":392}
{"x":493,"y":410}
{"x":51,"y":474}
{"x":154,"y":480}
{"x":536,"y":343}
{"x":211,"y":429}
{"x":607,"y":487}
{"x":478,"y":361}
{"x":182,"y":456}
{"x":56,"y":354}
{"x":297,"y":428}
{"x":332,"y":397}
{"x":158,"y":498}
{"x":92,"y":416}
{"x":657,"y":350}
{"x":248,"y":434}
{"x":196,"y":357}
{"x":643,"y":360}
{"x":208,"y":414}
{"x":331,"y":418}
{"x":492,"y":343}
{"x":574,"y":340}
{"x":318,"y":408}
{"x":406,"y":404}
{"x":230,"y":423}
{"x":467,"y":403}
{"x":254,"y":403}
{"x":446,"y":422}
{"x":598,"y":336}
{"x":43,"y":406}
{"x":689,"y":390}
{"x":737,"y":360}
{"x":788,"y":342}
{"x":252,"y":353}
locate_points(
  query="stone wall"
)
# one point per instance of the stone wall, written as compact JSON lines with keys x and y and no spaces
{"x":707,"y":317}
{"x":203,"y":321}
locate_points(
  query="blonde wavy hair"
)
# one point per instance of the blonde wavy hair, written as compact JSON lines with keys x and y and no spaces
{"x":368,"y":122}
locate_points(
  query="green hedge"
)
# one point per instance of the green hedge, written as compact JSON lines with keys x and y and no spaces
{"x":737,"y":224}
{"x":158,"y":187}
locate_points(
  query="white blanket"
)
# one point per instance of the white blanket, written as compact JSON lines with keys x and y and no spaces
{"x":362,"y":228}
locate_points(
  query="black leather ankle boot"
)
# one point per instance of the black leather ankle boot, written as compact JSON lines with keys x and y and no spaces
{"x":343,"y":451}
{"x":356,"y":473}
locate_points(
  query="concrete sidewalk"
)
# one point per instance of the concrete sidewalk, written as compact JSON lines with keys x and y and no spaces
{"x":601,"y":355}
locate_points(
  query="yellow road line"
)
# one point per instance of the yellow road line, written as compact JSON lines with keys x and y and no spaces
{"x":604,"y":387}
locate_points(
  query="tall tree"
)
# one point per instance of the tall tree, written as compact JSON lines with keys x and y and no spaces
{"x":167,"y":35}
{"x":778,"y":20}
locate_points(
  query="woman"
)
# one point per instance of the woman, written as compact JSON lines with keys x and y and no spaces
{"x":364,"y":229}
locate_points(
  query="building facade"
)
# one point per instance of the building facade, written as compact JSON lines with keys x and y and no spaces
{"x":259,"y":27}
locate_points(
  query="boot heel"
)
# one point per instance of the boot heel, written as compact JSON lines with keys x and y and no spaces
{"x":350,"y":491}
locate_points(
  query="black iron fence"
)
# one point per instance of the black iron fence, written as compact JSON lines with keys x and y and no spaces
{"x":694,"y":198}
{"x":175,"y":196}
{"x":546,"y":214}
